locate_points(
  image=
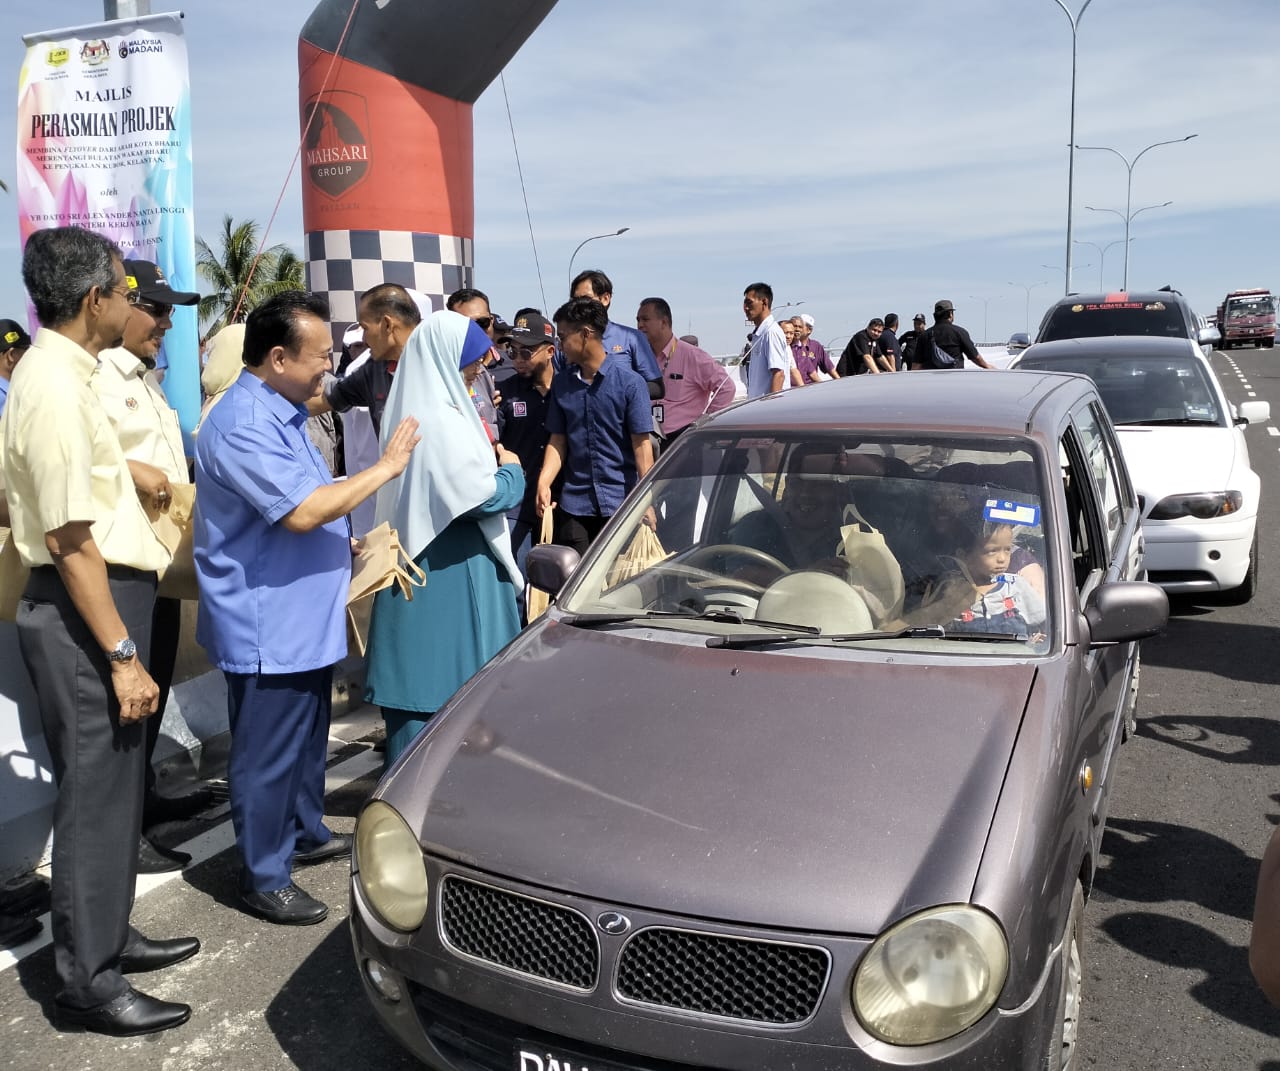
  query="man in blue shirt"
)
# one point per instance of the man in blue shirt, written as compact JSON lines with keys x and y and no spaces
{"x":273,"y":558}
{"x":620,"y":340}
{"x":599,"y":421}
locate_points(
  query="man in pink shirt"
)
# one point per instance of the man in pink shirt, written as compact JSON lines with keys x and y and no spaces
{"x":695,"y":382}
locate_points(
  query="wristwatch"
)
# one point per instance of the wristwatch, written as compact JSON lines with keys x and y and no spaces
{"x":123,"y":651}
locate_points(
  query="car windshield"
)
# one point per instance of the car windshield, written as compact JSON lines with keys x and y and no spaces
{"x":1136,"y":390}
{"x":1099,"y":318}
{"x":1240,"y":310}
{"x":829,"y":539}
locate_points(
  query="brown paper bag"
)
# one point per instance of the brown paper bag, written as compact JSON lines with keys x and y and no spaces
{"x":536,"y":600}
{"x":644,"y":550}
{"x":173,"y":527}
{"x":380,"y":562}
{"x":13,"y":578}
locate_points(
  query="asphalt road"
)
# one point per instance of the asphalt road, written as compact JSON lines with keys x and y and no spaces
{"x":1167,"y":981}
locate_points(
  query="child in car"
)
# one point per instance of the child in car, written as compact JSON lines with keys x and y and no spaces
{"x":1004,"y":601}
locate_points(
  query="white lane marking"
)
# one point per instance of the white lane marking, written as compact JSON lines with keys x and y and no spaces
{"x":1273,"y":431}
{"x":1253,"y":394}
{"x":204,"y":846}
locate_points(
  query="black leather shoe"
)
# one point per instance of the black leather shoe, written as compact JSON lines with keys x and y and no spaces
{"x":289,"y":906}
{"x":17,"y":929}
{"x":153,"y":859}
{"x":147,"y":955}
{"x":157,"y":808}
{"x":130,"y":1014}
{"x":338,"y":844}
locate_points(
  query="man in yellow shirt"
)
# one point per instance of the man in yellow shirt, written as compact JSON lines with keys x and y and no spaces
{"x":84,"y":625}
{"x":149,"y":434}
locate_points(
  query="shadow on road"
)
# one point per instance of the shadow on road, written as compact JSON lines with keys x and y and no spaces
{"x":325,"y":991}
{"x":1205,"y":644}
{"x":1154,"y":862}
{"x":1227,"y":738}
{"x":1227,"y":987}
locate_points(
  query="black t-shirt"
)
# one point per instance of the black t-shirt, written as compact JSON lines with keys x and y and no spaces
{"x":522,"y":430}
{"x":950,"y":338}
{"x":851,"y":360}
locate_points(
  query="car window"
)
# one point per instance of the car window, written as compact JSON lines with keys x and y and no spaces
{"x":837,"y":532}
{"x":1097,"y":318}
{"x":1087,"y":557}
{"x":1143,"y":389}
{"x":1102,"y":470}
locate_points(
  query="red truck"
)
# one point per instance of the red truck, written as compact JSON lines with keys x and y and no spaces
{"x":1247,"y":316}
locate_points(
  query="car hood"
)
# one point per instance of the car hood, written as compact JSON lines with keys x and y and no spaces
{"x":763,"y":787}
{"x":1165,"y":461}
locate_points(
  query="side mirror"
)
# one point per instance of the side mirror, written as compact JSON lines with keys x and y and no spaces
{"x":1253,"y":412}
{"x":1209,"y":336}
{"x":548,"y":566}
{"x":1126,"y":610}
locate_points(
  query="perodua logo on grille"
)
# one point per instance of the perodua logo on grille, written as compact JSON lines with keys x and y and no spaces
{"x":613,"y":923}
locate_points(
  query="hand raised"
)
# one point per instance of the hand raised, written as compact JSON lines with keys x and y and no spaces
{"x":396,"y":456}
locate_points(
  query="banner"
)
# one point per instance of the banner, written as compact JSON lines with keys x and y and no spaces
{"x":104,"y":142}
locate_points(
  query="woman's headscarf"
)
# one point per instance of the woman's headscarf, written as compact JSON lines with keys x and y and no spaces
{"x":223,"y":365}
{"x":452,"y":470}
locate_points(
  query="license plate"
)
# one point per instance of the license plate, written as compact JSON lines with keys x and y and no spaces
{"x":530,"y":1056}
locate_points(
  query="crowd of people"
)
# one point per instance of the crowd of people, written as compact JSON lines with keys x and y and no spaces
{"x":469,"y":435}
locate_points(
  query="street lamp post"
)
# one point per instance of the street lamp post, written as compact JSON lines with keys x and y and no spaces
{"x":1071,"y":141}
{"x":1128,"y":196}
{"x":1102,"y":259}
{"x":985,"y":302}
{"x":787,"y":305}
{"x":594,"y":237}
{"x":1057,"y":267}
{"x":1128,"y":218}
{"x":1028,"y":289}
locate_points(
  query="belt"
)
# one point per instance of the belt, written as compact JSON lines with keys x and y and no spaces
{"x":114,"y":572}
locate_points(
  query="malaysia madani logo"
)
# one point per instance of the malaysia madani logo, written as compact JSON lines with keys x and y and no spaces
{"x":95,"y":53}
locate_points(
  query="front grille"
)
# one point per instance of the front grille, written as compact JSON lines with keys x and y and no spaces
{"x":758,"y":981}
{"x":520,"y":933}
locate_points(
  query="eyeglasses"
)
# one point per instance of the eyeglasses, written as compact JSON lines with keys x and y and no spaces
{"x":485,"y":322}
{"x":128,"y":291}
{"x":151,"y":308}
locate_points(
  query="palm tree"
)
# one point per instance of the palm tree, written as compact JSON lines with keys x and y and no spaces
{"x":228,"y":274}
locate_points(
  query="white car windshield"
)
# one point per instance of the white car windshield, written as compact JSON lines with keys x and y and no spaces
{"x":902,"y":540}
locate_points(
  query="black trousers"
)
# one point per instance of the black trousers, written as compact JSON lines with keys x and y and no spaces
{"x":97,"y":764}
{"x":166,"y":622}
{"x":576,"y":532}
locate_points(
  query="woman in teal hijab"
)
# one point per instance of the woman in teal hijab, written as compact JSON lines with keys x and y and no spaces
{"x":449,"y":509}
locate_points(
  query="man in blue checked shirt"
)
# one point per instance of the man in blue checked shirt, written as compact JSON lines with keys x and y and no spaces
{"x":273,"y":558}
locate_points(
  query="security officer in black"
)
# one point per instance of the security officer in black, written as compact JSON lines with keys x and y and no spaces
{"x":949,"y":337}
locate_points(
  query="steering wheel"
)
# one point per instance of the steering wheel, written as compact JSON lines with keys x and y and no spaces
{"x":699,"y":554}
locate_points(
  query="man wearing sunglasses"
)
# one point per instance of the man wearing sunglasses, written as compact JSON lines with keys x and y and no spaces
{"x":127,"y":386}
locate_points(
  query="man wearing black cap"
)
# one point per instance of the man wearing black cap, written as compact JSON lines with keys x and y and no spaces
{"x":949,"y":337}
{"x":14,"y":341}
{"x":522,"y":415}
{"x":908,"y":340}
{"x":151,"y":439}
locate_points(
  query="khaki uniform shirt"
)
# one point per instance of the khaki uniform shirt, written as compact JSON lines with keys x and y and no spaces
{"x":61,"y":461}
{"x":136,"y":406}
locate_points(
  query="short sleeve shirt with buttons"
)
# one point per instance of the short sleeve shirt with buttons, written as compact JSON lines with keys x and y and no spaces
{"x":271,"y":600}
{"x":598,"y":420}
{"x":62,"y":462}
{"x":145,"y":424}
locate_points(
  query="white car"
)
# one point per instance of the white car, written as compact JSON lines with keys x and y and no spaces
{"x":1185,"y":447}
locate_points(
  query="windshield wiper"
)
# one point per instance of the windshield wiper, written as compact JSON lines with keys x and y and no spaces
{"x":588,"y":620}
{"x":915,"y":632}
{"x":1167,"y":422}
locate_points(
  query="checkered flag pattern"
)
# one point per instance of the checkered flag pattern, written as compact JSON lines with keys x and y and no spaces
{"x":344,"y":264}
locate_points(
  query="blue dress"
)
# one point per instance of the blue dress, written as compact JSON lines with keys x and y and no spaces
{"x":424,"y":650}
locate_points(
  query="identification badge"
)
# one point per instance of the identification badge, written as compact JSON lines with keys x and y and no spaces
{"x":657,"y":414}
{"x":519,"y":409}
{"x":1003,"y":511}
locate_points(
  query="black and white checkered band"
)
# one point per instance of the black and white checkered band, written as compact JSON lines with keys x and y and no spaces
{"x":342,"y":265}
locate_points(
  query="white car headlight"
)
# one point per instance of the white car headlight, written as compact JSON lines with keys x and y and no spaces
{"x":389,"y":864}
{"x":931,"y":976}
{"x":1205,"y":505}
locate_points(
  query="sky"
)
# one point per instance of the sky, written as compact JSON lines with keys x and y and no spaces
{"x":861,"y":158}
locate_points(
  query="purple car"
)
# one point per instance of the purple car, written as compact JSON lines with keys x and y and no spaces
{"x":816,"y":778}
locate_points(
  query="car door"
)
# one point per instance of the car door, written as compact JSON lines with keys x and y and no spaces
{"x":1103,"y":514}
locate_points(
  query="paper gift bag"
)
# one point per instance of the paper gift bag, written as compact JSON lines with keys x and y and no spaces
{"x":13,"y":578}
{"x":644,"y":550}
{"x":380,"y":563}
{"x":873,"y":569}
{"x":536,"y":600}
{"x":173,"y":527}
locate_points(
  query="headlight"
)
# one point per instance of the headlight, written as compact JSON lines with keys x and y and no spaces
{"x":931,"y":976}
{"x":390,"y":867}
{"x":1205,"y":505}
